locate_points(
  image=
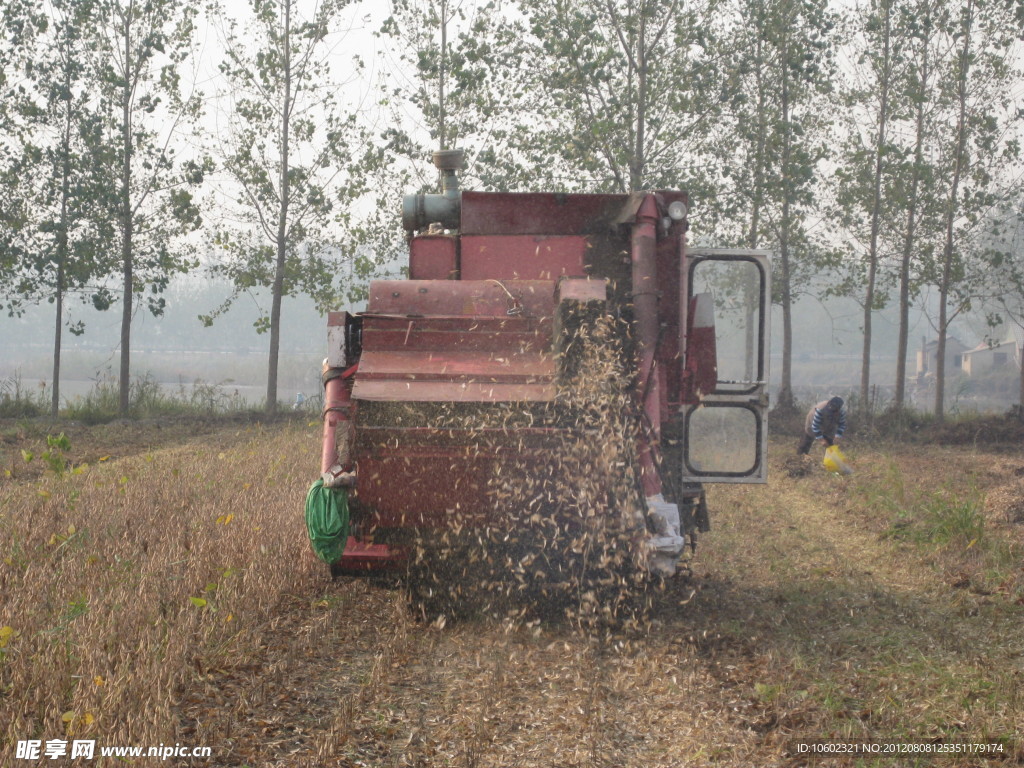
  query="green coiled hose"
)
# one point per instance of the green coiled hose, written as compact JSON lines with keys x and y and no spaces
{"x":327,"y":521}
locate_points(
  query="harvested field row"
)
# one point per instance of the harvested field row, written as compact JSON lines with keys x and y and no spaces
{"x":184,"y":607}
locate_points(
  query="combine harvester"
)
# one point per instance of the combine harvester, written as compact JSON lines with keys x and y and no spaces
{"x":449,"y":401}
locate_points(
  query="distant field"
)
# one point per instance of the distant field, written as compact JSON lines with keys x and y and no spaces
{"x":245,"y":374}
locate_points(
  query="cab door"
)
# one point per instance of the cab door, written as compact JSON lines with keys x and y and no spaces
{"x":725,"y":435}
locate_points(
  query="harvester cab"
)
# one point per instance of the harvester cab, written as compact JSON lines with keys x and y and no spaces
{"x":460,"y":379}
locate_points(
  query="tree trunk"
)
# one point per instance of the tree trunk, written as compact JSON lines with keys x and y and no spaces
{"x":910,"y":235}
{"x":1020,"y":393}
{"x":58,"y":328}
{"x":757,"y":201}
{"x":1020,"y":390}
{"x":282,"y":221}
{"x":876,"y":215}
{"x":753,"y":233}
{"x":899,"y":398}
{"x":940,"y":349}
{"x":62,"y":255}
{"x":637,"y":162}
{"x":442,"y":127}
{"x":127,"y":222}
{"x":951,"y":207}
{"x":786,"y":401}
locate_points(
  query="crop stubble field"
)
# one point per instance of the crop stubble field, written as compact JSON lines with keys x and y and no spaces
{"x":156,"y":587}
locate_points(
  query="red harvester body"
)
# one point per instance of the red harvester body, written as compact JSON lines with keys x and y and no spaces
{"x":495,"y":281}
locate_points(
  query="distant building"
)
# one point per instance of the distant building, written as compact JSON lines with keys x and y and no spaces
{"x":992,"y":357}
{"x":926,"y":356}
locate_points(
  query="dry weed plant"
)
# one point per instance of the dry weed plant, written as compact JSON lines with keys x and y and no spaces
{"x":124,"y":580}
{"x":1005,"y":503}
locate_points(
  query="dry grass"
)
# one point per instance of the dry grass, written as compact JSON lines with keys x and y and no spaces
{"x":957,"y":509}
{"x":125,"y":580}
{"x":824,"y":607}
{"x":811,"y":621}
{"x":884,"y":605}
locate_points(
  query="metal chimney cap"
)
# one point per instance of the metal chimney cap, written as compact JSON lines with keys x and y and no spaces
{"x":450,"y":159}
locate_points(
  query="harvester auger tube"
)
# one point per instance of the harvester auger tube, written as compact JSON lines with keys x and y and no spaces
{"x":667,"y":542}
{"x":337,"y":413}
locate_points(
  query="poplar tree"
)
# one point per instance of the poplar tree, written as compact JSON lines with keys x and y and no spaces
{"x":974,"y":149}
{"x":886,"y":201}
{"x":917,"y":207}
{"x":64,"y":158}
{"x":286,"y":150}
{"x":865,"y":168}
{"x":626,"y":90}
{"x":461,"y":83}
{"x":144,"y":45}
{"x":23,"y":22}
{"x":770,"y":142}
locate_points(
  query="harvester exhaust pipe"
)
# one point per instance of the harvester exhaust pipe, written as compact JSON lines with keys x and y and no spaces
{"x":420,"y":211}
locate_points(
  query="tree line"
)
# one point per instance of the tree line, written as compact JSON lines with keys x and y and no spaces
{"x":873,"y":146}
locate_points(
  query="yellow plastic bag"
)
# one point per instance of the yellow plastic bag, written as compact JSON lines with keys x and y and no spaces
{"x":836,"y":461}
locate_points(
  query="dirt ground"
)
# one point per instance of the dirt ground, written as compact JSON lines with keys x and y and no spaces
{"x":111,"y":441}
{"x":800,"y":623}
{"x":807,"y":617}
